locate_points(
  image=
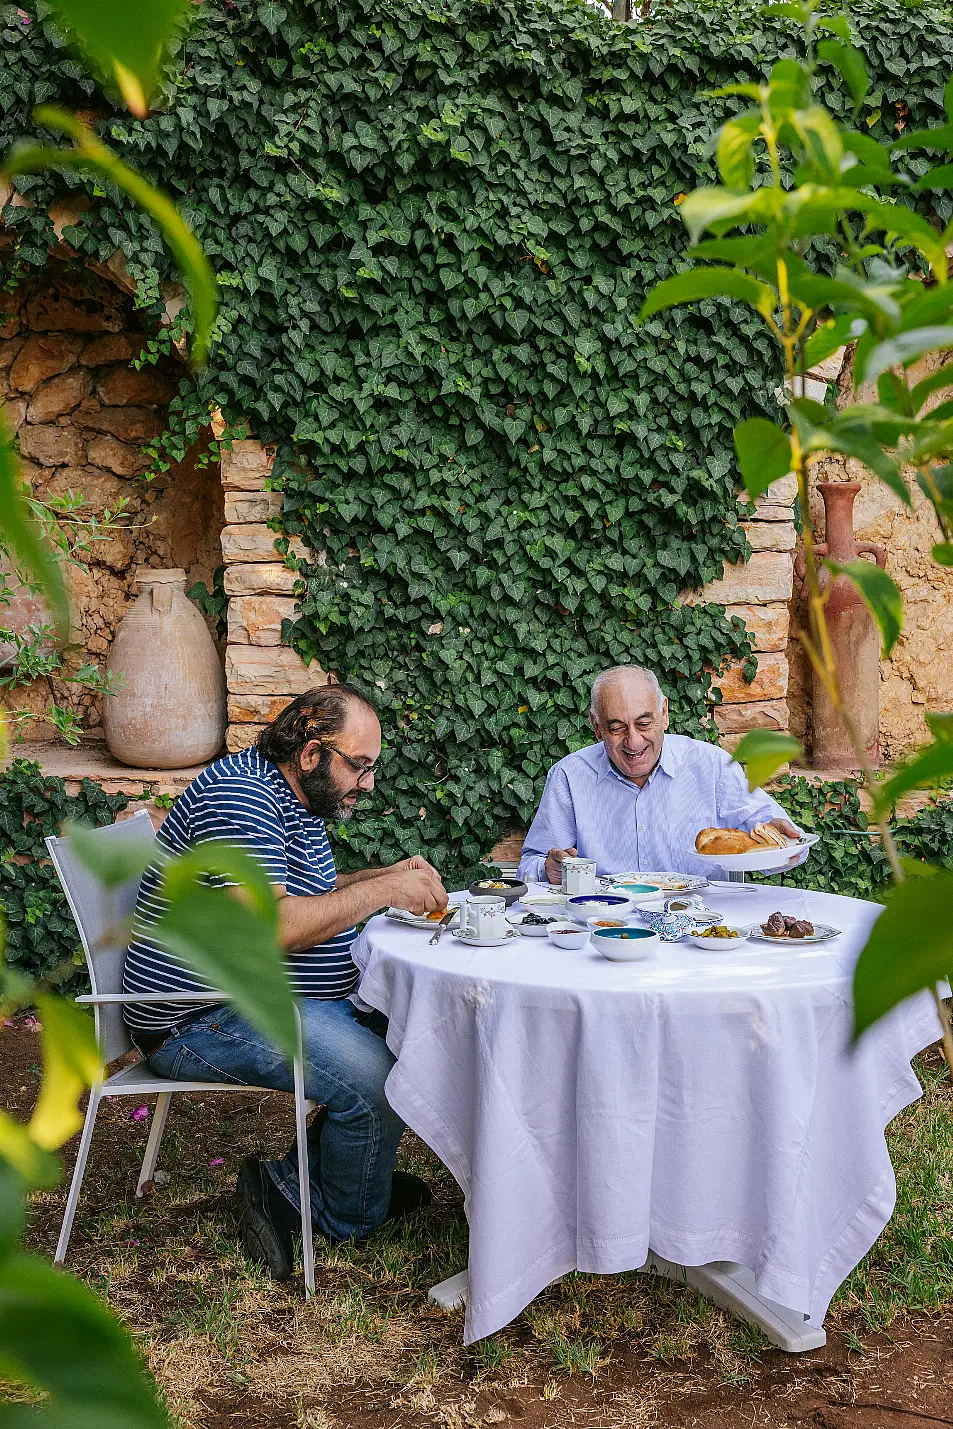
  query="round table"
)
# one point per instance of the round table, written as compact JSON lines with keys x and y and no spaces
{"x":698,"y":1108}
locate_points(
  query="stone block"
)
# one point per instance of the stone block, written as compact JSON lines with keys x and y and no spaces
{"x":759,"y":714}
{"x":52,"y":446}
{"x":770,"y":535}
{"x":768,"y":625}
{"x":830,"y":369}
{"x":246,"y":466}
{"x":113,"y":347}
{"x":269,"y":670}
{"x":59,"y":395}
{"x":255,"y":542}
{"x":8,"y":352}
{"x":116,"y":456}
{"x":256,"y":619}
{"x":43,"y":357}
{"x":768,"y":511}
{"x":808,"y":387}
{"x":123,"y":386}
{"x":242,"y":507}
{"x":10,"y":314}
{"x":241,"y":736}
{"x":256,"y":709}
{"x":129,"y":424}
{"x":770,"y":683}
{"x":69,"y":304}
{"x":768,"y":576}
{"x":260,"y":579}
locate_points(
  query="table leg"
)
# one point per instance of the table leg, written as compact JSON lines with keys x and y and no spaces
{"x":733,"y":1288}
{"x":728,"y":1285}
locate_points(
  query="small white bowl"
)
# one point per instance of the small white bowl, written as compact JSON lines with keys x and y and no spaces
{"x":635,"y":949}
{"x":567,"y":935}
{"x":719,"y":945}
{"x":583,"y":906}
{"x":600,"y":920}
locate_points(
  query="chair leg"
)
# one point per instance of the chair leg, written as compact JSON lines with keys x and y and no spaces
{"x":155,"y":1140}
{"x":304,"y":1171}
{"x":79,"y":1171}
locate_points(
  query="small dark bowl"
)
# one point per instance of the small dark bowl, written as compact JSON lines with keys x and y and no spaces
{"x":513,"y":889}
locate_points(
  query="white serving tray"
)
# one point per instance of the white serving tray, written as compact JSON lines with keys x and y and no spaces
{"x":758,"y":860}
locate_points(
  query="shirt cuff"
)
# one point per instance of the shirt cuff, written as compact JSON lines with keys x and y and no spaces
{"x":533,"y":868}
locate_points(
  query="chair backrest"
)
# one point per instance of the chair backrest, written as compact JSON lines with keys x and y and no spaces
{"x":99,"y":914}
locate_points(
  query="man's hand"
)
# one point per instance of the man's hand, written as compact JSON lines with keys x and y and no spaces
{"x":416,"y":862}
{"x":785,"y":827}
{"x":419,"y":890}
{"x":554,"y":863}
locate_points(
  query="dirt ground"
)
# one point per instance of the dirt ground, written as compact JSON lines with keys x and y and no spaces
{"x":231,"y":1349}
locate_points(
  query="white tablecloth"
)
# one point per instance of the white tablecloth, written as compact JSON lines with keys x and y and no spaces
{"x":701,"y":1104}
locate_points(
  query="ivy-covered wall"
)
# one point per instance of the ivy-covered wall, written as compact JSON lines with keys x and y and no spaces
{"x":434,"y":226}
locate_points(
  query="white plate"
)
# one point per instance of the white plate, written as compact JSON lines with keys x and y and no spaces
{"x":758,"y":860}
{"x":413,"y":920}
{"x":543,"y":900}
{"x":720,"y":945}
{"x":665,"y":882}
{"x":473,"y":941}
{"x":822,"y":931}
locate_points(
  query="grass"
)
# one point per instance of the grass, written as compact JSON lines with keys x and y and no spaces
{"x":219,"y":1333}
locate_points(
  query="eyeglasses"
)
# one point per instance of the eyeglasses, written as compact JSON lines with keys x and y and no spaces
{"x":363,"y":771}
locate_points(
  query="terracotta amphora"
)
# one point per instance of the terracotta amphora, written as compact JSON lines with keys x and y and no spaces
{"x":170,"y":710}
{"x":853,"y":635}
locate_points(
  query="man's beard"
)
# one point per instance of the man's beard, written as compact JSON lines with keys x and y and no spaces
{"x":324,"y":797}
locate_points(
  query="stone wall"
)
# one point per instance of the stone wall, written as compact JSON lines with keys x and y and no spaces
{"x":82,"y":413}
{"x":262,"y":674}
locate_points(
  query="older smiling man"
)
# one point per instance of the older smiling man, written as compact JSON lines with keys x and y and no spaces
{"x":637,"y":799}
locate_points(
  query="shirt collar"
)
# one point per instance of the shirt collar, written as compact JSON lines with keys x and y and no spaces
{"x":667,"y":764}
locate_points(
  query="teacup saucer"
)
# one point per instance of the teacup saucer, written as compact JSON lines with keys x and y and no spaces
{"x":463,"y":936}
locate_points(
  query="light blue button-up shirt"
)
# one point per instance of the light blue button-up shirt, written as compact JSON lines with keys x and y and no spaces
{"x":588,"y":805}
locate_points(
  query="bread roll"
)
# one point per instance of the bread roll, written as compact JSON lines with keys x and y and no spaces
{"x":715,"y":841}
{"x":769,"y":837}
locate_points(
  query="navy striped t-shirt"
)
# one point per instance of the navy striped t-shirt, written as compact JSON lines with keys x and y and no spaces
{"x":245,"y":799}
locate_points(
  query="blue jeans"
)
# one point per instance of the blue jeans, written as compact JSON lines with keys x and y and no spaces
{"x":352,"y":1154}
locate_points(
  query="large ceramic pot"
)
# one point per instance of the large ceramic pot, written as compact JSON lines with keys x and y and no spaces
{"x":853,"y":636}
{"x":170,"y":710}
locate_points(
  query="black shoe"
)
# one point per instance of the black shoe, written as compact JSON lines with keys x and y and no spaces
{"x":266,"y":1242}
{"x":407,"y":1194}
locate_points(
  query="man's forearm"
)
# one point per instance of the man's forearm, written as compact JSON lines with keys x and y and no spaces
{"x":304,"y":921}
{"x":347,"y":880}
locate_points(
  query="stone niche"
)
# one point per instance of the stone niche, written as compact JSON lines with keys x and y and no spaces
{"x":82,"y":413}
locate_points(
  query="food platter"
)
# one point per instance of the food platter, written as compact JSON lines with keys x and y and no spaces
{"x":822,"y":932}
{"x":414,"y":920}
{"x":664,"y":882}
{"x":757,"y":860}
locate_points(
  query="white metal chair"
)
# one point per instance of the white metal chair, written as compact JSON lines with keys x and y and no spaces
{"x":99,"y":914}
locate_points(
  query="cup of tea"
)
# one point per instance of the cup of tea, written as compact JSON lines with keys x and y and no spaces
{"x":579,"y":876}
{"x":486,"y":917}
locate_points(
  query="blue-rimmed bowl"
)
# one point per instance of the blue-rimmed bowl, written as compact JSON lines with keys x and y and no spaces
{"x":625,"y":945}
{"x":598,"y":905}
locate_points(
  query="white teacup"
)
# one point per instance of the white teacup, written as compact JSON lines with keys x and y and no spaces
{"x":486,"y":917}
{"x":579,"y":876}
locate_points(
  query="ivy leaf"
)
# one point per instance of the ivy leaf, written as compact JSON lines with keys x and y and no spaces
{"x":127,"y":44}
{"x":880,"y":594}
{"x":764,"y":454}
{"x":910,"y":947}
{"x":763,"y":752}
{"x":697,"y":283}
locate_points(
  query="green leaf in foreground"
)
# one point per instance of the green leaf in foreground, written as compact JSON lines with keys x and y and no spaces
{"x":910,"y":947}
{"x":942,"y":553}
{"x":763,"y":752}
{"x":23,"y":539}
{"x":229,"y":935}
{"x":928,"y":767}
{"x":127,"y":43}
{"x":91,"y":156}
{"x":881,"y":596}
{"x":112,"y":862}
{"x":906,"y":347}
{"x":764,"y":454}
{"x":59,"y":1337}
{"x":71,"y":1063}
{"x":697,"y":283}
{"x":848,"y":59}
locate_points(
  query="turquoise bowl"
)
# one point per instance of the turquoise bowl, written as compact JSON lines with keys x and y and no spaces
{"x":638,"y":890}
{"x":625,"y":945}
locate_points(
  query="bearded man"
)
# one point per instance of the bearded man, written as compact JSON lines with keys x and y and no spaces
{"x":638,"y":798}
{"x":309,"y":766}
